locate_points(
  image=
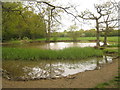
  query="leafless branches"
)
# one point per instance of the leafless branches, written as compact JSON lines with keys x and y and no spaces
{"x":53,"y":7}
{"x":105,"y":15}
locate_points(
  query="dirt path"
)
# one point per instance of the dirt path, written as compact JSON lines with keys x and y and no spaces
{"x":88,"y":79}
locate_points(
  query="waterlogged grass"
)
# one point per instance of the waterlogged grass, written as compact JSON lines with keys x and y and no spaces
{"x":39,"y":54}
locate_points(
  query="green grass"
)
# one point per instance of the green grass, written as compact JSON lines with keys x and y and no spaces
{"x":114,"y":83}
{"x":113,"y":39}
{"x":114,"y":45}
{"x":15,"y":41}
{"x":40,"y":39}
{"x":39,"y":54}
{"x":110,"y":39}
{"x":110,"y":50}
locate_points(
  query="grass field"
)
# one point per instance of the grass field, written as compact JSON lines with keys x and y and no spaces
{"x":39,"y":54}
{"x":115,"y":39}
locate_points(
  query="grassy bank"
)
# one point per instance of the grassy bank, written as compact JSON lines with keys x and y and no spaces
{"x":39,"y":54}
{"x":111,"y":50}
{"x":114,"y":83}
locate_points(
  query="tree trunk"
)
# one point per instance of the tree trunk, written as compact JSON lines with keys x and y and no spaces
{"x":97,"y":34}
{"x":105,"y":35}
{"x":49,"y":29}
{"x":105,"y":39}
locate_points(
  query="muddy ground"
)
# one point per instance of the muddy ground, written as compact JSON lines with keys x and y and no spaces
{"x":88,"y":79}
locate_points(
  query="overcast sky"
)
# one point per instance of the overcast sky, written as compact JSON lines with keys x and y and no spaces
{"x":81,"y":6}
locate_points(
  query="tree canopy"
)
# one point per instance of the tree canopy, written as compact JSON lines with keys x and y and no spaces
{"x":19,"y":22}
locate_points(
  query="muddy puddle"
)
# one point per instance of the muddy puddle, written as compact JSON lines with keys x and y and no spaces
{"x":46,"y":69}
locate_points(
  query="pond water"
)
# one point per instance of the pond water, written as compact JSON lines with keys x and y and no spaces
{"x":54,"y":46}
{"x":43,"y":69}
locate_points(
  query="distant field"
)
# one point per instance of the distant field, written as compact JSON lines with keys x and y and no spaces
{"x":113,"y":39}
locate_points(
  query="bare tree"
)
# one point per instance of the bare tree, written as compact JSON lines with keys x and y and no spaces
{"x":110,"y":20}
{"x":87,"y":15}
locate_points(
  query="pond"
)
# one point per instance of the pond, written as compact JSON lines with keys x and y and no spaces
{"x":46,"y":69}
{"x":54,"y":46}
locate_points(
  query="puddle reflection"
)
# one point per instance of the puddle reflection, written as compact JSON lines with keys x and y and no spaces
{"x":57,"y":69}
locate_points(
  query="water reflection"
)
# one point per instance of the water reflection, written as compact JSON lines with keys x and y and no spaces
{"x":54,"y":46}
{"x":57,"y":68}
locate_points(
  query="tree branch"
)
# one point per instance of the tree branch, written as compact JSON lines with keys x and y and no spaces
{"x":63,"y":8}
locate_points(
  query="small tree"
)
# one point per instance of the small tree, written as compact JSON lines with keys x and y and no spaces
{"x":73,"y":33}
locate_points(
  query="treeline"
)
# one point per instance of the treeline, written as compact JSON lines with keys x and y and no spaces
{"x":19,"y":22}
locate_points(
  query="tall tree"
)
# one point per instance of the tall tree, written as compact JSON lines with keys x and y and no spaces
{"x":109,"y":20}
{"x":87,"y":15}
{"x":11,"y":14}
